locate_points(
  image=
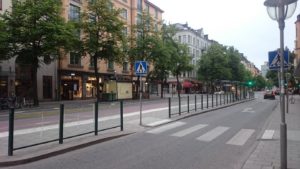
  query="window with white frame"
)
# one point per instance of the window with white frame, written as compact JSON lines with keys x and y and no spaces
{"x":74,"y":13}
{"x":124,"y":13}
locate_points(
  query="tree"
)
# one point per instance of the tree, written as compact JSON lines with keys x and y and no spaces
{"x":144,"y":40}
{"x":36,"y":33}
{"x":272,"y":77}
{"x":260,"y":82}
{"x":103,"y":37}
{"x":213,"y":65}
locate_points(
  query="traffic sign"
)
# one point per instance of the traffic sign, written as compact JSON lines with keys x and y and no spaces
{"x":274,"y":60}
{"x":140,"y":68}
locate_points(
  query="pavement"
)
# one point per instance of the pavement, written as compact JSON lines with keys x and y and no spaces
{"x":266,"y":155}
{"x":131,"y":126}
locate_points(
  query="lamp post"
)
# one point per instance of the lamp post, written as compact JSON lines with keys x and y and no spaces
{"x":280,"y":10}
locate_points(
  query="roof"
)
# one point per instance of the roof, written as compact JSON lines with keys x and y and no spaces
{"x":154,"y":6}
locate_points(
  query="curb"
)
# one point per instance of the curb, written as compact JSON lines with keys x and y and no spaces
{"x":13,"y":161}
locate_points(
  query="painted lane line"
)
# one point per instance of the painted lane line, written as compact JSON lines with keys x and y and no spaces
{"x":241,"y":137}
{"x":165,"y":128}
{"x":189,"y":130}
{"x":268,"y":135}
{"x":158,"y":122}
{"x":211,"y":135}
{"x":248,"y":110}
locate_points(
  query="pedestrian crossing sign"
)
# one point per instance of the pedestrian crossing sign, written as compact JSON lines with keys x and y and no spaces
{"x":274,"y":60}
{"x":140,"y":68}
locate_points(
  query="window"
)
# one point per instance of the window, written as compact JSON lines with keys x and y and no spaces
{"x":74,"y":13}
{"x":125,"y":31}
{"x":140,"y":5}
{"x":91,"y":61}
{"x":47,"y":87}
{"x":0,"y":4}
{"x":78,"y":1}
{"x":124,"y":13}
{"x":156,"y":13}
{"x":179,"y":39}
{"x":125,"y":66}
{"x":124,"y":1}
{"x":139,"y":19}
{"x":110,"y":65}
{"x":148,"y":9}
{"x":184,"y":39}
{"x":74,"y":58}
{"x":189,"y":39}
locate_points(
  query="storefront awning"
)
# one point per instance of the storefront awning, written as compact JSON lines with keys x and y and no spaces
{"x":187,"y":84}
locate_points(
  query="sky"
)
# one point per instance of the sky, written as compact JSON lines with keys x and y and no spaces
{"x":244,"y":24}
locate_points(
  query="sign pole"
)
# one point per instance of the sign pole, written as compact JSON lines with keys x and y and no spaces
{"x":141,"y":92}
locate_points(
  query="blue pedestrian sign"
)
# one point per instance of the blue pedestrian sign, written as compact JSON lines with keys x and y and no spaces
{"x":140,"y":68}
{"x":274,"y":60}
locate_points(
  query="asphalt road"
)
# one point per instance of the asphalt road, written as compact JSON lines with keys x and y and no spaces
{"x":221,"y":139}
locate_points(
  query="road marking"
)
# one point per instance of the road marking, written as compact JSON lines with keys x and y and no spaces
{"x":241,"y":137}
{"x":268,"y":134}
{"x":248,"y":110}
{"x":56,"y":108}
{"x":158,"y":122}
{"x":211,"y":135}
{"x":165,"y":128}
{"x":189,"y":130}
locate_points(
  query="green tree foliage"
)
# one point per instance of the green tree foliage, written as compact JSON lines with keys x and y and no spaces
{"x":213,"y":65}
{"x":260,"y":82}
{"x":104,"y":38}
{"x":272,"y":77}
{"x":35,"y":34}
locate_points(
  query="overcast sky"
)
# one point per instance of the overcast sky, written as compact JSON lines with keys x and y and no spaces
{"x":243,"y":24}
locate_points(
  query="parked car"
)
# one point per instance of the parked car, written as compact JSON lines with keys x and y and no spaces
{"x":219,"y":92}
{"x":269,"y":95}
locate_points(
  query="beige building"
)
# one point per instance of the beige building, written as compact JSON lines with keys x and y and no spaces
{"x":297,"y":48}
{"x":72,"y":76}
{"x":76,"y":76}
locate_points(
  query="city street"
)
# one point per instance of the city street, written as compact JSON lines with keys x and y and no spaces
{"x":219,"y":139}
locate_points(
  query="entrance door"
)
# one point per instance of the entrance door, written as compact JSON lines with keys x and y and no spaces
{"x":47,"y":87}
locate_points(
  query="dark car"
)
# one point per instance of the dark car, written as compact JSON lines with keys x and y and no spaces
{"x":269,"y":95}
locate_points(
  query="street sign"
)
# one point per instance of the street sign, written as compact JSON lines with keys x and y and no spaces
{"x":140,"y":68}
{"x":274,"y":60}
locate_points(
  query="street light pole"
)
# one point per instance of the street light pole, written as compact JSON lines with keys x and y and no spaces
{"x":280,"y":10}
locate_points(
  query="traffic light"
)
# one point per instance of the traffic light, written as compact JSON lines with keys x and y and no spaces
{"x":250,"y":83}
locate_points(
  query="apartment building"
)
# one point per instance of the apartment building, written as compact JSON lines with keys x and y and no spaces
{"x":76,"y":76}
{"x":72,"y":76}
{"x":297,"y":48}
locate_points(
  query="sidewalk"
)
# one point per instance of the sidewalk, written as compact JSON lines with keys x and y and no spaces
{"x":267,"y":153}
{"x":151,"y":118}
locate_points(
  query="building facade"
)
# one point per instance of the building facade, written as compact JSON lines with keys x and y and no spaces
{"x":72,"y":76}
{"x":264,"y":69}
{"x":297,"y":49}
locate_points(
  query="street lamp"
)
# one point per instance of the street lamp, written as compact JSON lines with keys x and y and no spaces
{"x":280,"y":10}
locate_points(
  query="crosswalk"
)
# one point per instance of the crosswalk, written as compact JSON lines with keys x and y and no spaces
{"x":240,"y":137}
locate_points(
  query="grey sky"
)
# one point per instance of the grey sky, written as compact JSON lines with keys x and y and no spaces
{"x":243,"y":24}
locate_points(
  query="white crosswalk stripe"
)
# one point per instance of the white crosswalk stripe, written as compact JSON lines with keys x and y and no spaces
{"x":211,"y":135}
{"x":268,"y":134}
{"x":189,"y":130}
{"x":241,"y":137}
{"x":165,"y":127}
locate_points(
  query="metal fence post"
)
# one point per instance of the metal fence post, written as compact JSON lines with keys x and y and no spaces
{"x":216,"y":100}
{"x":212,"y":100}
{"x":207,"y":100}
{"x":11,"y":131}
{"x":96,"y":118}
{"x":227,"y":97}
{"x":220,"y":99}
{"x":195,"y":102}
{"x":188,"y":103}
{"x":169,"y":107}
{"x":61,"y":124}
{"x":179,"y":105}
{"x":201,"y":101}
{"x":121,"y":115}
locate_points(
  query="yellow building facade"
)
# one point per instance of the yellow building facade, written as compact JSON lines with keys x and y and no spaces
{"x":76,"y":78}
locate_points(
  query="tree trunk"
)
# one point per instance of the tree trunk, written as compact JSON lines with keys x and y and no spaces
{"x":97,"y":77}
{"x":178,"y":86}
{"x":34,"y":92}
